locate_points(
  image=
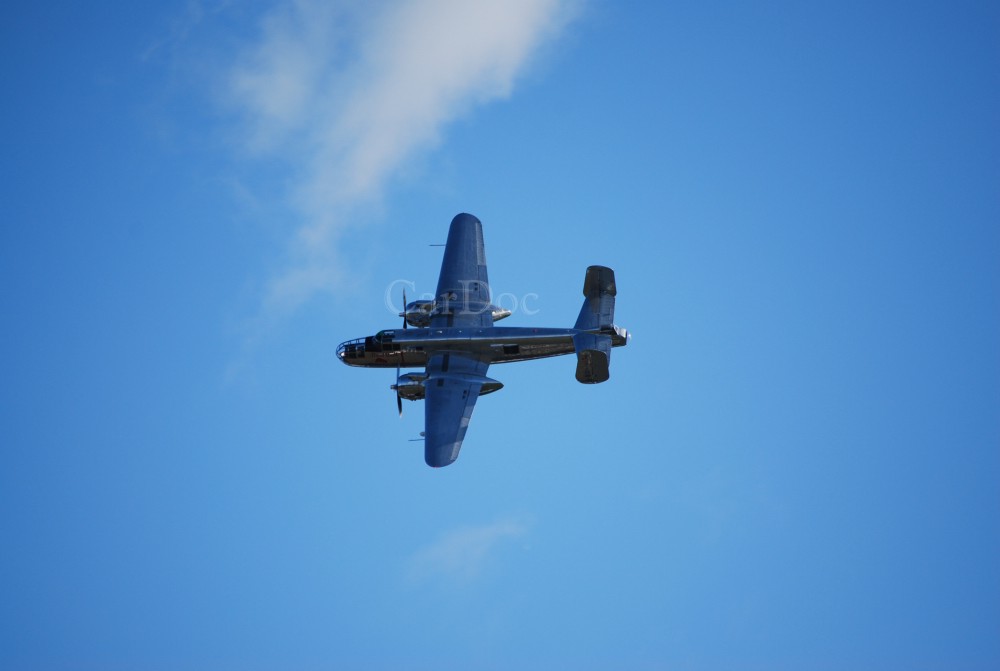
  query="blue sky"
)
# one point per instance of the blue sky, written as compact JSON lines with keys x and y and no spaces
{"x":795,"y":464}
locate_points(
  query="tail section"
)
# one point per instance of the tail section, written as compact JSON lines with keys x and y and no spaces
{"x":593,"y":349}
{"x":598,"y":311}
{"x":593,"y":357}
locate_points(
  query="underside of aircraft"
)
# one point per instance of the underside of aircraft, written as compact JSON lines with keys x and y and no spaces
{"x":455,"y":341}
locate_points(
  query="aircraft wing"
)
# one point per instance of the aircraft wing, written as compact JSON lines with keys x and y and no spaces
{"x":454,"y":380}
{"x":463,"y":291}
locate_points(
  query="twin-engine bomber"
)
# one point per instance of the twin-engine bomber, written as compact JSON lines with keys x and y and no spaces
{"x":454,"y":341}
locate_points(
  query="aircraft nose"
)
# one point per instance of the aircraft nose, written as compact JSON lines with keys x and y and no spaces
{"x":351,"y":349}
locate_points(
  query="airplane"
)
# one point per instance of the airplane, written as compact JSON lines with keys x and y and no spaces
{"x":455,"y":342}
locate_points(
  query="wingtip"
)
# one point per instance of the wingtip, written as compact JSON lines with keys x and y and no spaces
{"x":441,"y":455}
{"x":465,"y":217}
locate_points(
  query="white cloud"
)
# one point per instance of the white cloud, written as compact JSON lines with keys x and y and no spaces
{"x":461,"y":554}
{"x":347,"y":93}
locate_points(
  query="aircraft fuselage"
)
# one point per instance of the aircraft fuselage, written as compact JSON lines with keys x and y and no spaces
{"x":410,"y":348}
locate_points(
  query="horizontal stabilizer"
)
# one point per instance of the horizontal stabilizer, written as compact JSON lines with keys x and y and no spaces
{"x":593,"y":357}
{"x":599,"y":290}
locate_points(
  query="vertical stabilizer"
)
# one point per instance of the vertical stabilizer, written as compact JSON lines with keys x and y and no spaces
{"x":593,"y":357}
{"x":598,"y":309}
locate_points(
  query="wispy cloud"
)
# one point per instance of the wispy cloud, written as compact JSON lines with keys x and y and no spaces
{"x":344,"y":94}
{"x":460,"y":555}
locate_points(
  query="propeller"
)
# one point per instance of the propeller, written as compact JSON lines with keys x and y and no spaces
{"x":399,"y":399}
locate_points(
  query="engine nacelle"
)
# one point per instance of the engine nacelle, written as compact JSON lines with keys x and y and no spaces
{"x":410,"y":386}
{"x":489,"y":386}
{"x":419,"y":313}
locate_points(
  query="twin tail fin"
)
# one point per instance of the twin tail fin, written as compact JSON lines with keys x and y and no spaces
{"x":593,"y":349}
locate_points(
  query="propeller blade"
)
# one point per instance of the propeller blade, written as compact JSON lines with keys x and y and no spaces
{"x":404,"y":320}
{"x":399,"y":399}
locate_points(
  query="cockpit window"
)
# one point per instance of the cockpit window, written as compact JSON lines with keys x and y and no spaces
{"x":384,"y":336}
